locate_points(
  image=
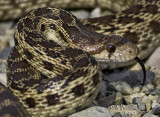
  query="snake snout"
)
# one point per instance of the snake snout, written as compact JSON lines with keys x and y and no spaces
{"x":132,"y":50}
{"x":122,"y":50}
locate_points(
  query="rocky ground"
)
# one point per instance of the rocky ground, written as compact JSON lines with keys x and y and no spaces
{"x":120,"y":94}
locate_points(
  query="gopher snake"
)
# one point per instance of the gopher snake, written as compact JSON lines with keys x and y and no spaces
{"x":72,"y":75}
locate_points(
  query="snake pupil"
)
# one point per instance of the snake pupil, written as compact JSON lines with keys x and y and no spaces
{"x":111,"y":49}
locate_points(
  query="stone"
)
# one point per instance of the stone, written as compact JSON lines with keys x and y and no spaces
{"x":156,"y":92}
{"x":95,"y":13}
{"x":107,"y":101}
{"x":129,"y":98}
{"x":148,"y":100}
{"x":3,"y":44}
{"x":122,"y":87}
{"x":81,"y":14}
{"x":5,"y":53}
{"x":155,"y":103}
{"x":148,"y":105}
{"x":141,"y":106}
{"x":118,"y":114}
{"x":157,"y":79}
{"x":4,"y":26}
{"x":119,"y":98}
{"x":3,"y":64}
{"x":149,"y":115}
{"x":132,"y":78}
{"x":156,"y":111}
{"x":95,"y":111}
{"x":3,"y":79}
{"x":154,"y":59}
{"x":114,"y":98}
{"x":103,"y":90}
{"x":6,"y":33}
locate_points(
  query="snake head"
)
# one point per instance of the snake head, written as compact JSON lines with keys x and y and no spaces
{"x":118,"y":49}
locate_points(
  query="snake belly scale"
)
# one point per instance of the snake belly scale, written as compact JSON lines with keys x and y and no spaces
{"x":52,"y":69}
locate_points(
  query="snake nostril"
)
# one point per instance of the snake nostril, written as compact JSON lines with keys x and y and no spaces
{"x":111,"y":48}
{"x":130,"y":51}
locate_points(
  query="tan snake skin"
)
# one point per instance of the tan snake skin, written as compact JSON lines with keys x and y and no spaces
{"x":72,"y":75}
{"x":19,"y":7}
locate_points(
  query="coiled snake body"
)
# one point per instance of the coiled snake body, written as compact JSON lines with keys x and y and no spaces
{"x":52,"y":69}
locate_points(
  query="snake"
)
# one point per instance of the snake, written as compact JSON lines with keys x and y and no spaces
{"x":53,"y":69}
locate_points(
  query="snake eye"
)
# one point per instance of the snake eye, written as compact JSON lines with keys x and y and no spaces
{"x":111,"y":48}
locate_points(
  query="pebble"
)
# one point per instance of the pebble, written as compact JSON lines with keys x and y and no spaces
{"x":7,"y":31}
{"x":95,"y":12}
{"x":141,"y":106}
{"x":114,"y":98}
{"x":132,"y":78}
{"x":103,"y":90}
{"x":5,"y":53}
{"x":122,"y":87}
{"x":3,"y":64}
{"x":154,"y":59}
{"x":95,"y":111}
{"x":156,"y":111}
{"x":3,"y":78}
{"x":148,"y":100}
{"x":156,"y":102}
{"x":81,"y":14}
{"x":149,"y":115}
{"x":118,"y":114}
{"x":107,"y":100}
{"x":3,"y":44}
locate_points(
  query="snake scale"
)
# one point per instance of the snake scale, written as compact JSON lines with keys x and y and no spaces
{"x":53,"y":67}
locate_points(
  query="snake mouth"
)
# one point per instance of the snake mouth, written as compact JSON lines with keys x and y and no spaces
{"x":143,"y":69}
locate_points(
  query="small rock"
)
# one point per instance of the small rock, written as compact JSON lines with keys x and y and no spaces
{"x":149,"y":115}
{"x":148,"y":105}
{"x":118,"y":114}
{"x":129,"y":98}
{"x":154,"y":59}
{"x":119,"y":99}
{"x":3,"y":44}
{"x":141,"y":106}
{"x":3,"y":64}
{"x":155,"y":103}
{"x":148,"y":100}
{"x":114,"y":98}
{"x":3,"y":79}
{"x":156,"y":92}
{"x":4,"y":26}
{"x":11,"y":43}
{"x":95,"y":13}
{"x":157,"y":79}
{"x":103,"y":90}
{"x":5,"y":53}
{"x":6,"y":32}
{"x":95,"y":111}
{"x":156,"y":111}
{"x":108,"y":100}
{"x":122,"y":87}
{"x":81,"y":14}
{"x":133,"y":78}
